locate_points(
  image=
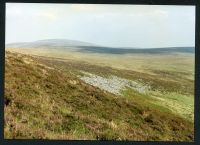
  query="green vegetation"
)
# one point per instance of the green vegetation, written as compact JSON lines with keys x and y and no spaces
{"x":181,"y":105}
{"x":45,"y":99}
{"x":163,"y":64}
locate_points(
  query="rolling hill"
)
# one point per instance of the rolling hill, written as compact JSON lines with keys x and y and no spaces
{"x":50,"y":43}
{"x":86,"y":47}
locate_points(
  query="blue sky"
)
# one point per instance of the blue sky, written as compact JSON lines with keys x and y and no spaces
{"x":144,"y":26}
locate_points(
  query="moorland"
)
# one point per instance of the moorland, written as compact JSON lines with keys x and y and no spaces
{"x":64,"y":89}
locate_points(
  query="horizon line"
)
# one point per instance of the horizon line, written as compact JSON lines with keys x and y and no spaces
{"x":98,"y":45}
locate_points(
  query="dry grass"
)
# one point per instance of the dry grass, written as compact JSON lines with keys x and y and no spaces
{"x":46,"y":103}
{"x":177,"y":63}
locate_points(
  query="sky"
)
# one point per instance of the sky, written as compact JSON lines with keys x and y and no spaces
{"x":141,"y":26}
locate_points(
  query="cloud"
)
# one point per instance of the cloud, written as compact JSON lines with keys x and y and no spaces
{"x":112,"y":25}
{"x":54,"y":12}
{"x":13,"y":11}
{"x":28,"y":11}
{"x":83,"y":8}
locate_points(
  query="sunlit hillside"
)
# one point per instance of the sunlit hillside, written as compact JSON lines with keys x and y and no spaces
{"x":64,"y":98}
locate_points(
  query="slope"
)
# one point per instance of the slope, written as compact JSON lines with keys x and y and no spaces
{"x":46,"y":102}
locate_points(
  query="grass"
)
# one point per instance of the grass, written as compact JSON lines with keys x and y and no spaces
{"x":178,"y":103}
{"x":45,"y":100}
{"x":177,"y":63}
{"x":168,"y":83}
{"x":181,"y":105}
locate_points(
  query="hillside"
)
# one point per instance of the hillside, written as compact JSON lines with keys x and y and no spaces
{"x":48,"y":99}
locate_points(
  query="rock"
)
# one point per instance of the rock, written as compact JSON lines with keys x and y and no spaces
{"x":113,"y":84}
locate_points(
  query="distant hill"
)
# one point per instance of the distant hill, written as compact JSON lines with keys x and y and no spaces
{"x":111,"y":50}
{"x":92,"y":48}
{"x":50,"y":43}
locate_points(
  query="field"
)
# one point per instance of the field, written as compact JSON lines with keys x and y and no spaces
{"x":182,"y":63}
{"x":59,"y":94}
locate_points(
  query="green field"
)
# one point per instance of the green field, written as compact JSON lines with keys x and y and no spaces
{"x":47,"y":97}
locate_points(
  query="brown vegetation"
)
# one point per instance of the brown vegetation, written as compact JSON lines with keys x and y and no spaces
{"x":46,"y":100}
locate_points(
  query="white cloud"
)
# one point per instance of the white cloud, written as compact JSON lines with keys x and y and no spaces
{"x":83,"y":8}
{"x":113,"y":25}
